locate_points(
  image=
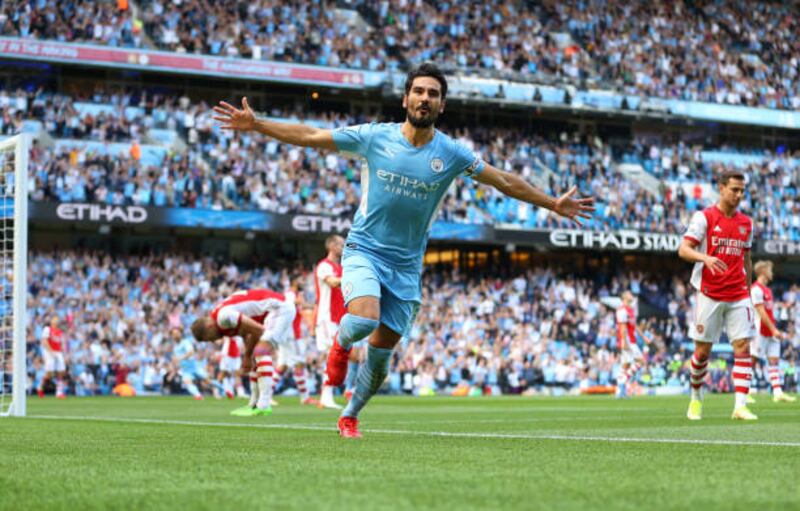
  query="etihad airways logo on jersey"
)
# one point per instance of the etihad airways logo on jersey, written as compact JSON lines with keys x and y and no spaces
{"x":728,"y":246}
{"x":101,"y":213}
{"x":411,"y":187}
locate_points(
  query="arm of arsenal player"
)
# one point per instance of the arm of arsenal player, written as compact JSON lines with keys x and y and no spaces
{"x":765,"y":320}
{"x":622,"y":333}
{"x":251,"y":331}
{"x":333,"y":281}
{"x":748,"y":267}
{"x":688,"y":253}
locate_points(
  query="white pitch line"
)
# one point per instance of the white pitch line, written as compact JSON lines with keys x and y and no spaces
{"x":447,"y":434}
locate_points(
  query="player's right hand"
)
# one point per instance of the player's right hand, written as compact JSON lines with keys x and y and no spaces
{"x":715,"y":265}
{"x":234,"y":119}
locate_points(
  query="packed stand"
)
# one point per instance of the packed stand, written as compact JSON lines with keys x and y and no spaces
{"x":72,"y":21}
{"x":302,"y":32}
{"x":225,"y":170}
{"x":530,"y":331}
{"x":731,"y":52}
{"x":772,"y":180}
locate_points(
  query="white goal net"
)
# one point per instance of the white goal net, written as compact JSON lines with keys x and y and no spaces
{"x":13,"y":272}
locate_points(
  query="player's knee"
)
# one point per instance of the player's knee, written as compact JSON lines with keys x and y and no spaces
{"x":741,"y":346}
{"x":353,"y":328}
{"x":365,"y":307}
{"x":263,"y":348}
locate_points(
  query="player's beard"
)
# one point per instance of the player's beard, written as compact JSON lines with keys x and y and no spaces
{"x":421,"y":120}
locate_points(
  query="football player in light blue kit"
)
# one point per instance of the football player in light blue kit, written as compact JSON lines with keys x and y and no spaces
{"x":409,"y":169}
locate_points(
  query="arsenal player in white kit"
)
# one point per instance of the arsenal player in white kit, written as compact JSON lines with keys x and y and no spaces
{"x":767,"y":344}
{"x":263,"y":318}
{"x":52,"y":342}
{"x":718,"y":241}
{"x":329,"y":309}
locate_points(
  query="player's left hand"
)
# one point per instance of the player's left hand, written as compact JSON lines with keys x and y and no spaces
{"x":247,"y":365}
{"x":574,"y":209}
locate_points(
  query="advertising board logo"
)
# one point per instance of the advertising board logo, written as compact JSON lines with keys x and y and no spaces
{"x":318,"y":223}
{"x":618,"y":240}
{"x":102,"y":213}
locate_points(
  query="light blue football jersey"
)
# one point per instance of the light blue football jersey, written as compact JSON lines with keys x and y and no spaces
{"x":402,"y":187}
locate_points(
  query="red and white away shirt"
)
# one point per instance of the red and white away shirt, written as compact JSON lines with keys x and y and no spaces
{"x":626,"y":316}
{"x":53,"y":336}
{"x":232,"y":346}
{"x":727,"y":239}
{"x":330,"y":301}
{"x":254,"y":304}
{"x":761,"y":294}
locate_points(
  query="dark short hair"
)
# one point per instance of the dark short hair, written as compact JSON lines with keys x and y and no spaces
{"x":730,"y":174}
{"x":427,"y":69}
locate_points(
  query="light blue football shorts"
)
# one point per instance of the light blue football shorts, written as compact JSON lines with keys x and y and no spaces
{"x":398,"y":291}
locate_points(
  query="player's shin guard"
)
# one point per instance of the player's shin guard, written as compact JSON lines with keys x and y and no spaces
{"x":353,"y":328}
{"x":300,"y":380}
{"x":697,"y":370}
{"x":264,"y":365}
{"x":370,"y":378}
{"x":352,"y":375}
{"x":742,"y":373}
{"x":253,"y":389}
{"x":775,"y":380}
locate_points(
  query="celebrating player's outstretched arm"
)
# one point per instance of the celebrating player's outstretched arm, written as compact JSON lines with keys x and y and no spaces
{"x":516,"y":187}
{"x":244,"y":119}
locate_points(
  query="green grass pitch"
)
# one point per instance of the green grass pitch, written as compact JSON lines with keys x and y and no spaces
{"x":417,"y":453}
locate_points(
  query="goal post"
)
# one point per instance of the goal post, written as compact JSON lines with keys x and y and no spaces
{"x":13,"y":280}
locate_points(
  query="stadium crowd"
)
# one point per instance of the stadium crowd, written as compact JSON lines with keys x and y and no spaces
{"x":525,"y":331}
{"x":732,"y":52}
{"x":221,"y":170}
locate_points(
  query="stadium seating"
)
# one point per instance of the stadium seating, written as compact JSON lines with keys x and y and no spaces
{"x":180,"y":158}
{"x":731,"y":52}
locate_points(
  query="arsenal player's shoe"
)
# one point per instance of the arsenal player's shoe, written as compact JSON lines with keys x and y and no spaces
{"x":309,"y":401}
{"x":743,"y":414}
{"x":786,"y":398}
{"x":695,"y":412}
{"x":262,"y":411}
{"x":229,"y":394}
{"x":243,"y":411}
{"x":326,"y":399}
{"x":348,"y":427}
{"x":337,"y":363}
{"x":198,"y":397}
{"x":61,"y":396}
